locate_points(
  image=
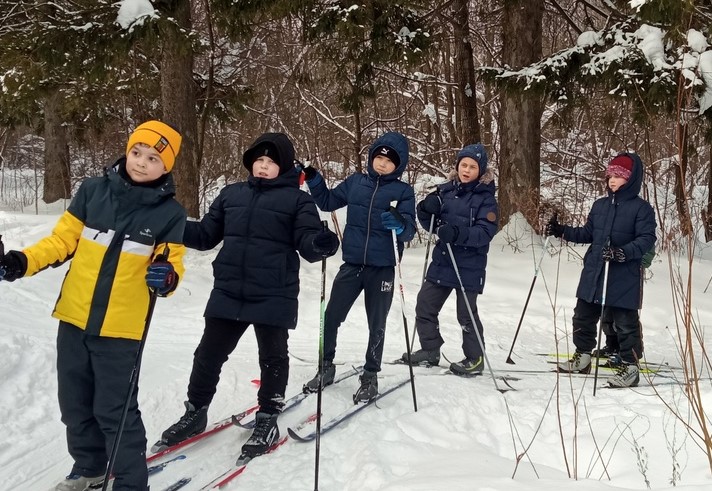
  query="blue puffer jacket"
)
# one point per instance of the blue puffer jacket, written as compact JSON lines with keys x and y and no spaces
{"x":472,"y":205}
{"x":629,"y":221}
{"x":366,"y":240}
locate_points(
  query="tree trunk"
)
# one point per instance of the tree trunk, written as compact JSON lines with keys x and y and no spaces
{"x":57,"y":183}
{"x":179,"y":103}
{"x":466,"y":95}
{"x":707,"y":215}
{"x":520,"y":117}
{"x":680,"y":175}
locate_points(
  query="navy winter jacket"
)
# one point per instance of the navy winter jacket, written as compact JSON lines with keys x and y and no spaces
{"x":473,"y":207}
{"x":262,"y":223}
{"x":367,"y":196}
{"x":628,"y":221}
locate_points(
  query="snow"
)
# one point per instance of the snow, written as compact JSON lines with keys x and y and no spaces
{"x":697,"y":41}
{"x":133,"y":12}
{"x":465,"y":435}
{"x":705,"y":68}
{"x":589,"y":38}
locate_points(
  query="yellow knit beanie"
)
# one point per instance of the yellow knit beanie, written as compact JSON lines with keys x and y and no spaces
{"x":160,"y":136}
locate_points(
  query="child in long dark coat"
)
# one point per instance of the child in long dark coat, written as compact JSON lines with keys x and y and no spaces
{"x":263,"y":223}
{"x":621,"y":230}
{"x":465,"y":214}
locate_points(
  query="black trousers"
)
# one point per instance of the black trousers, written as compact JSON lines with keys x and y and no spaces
{"x":93,"y":374}
{"x":431,"y":299}
{"x":219,"y":339}
{"x":626,"y":324}
{"x":377,"y":285}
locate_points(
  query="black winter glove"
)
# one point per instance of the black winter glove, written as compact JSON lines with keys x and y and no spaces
{"x":431,"y":205}
{"x":161,"y":277}
{"x":326,"y":243}
{"x":309,"y":172}
{"x":614,"y":254}
{"x":450,"y":233}
{"x":554,"y":227}
{"x":13,"y":265}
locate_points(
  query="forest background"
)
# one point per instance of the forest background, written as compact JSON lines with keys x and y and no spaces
{"x":552,"y":88}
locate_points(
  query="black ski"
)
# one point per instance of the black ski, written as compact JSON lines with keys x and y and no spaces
{"x":336,"y":420}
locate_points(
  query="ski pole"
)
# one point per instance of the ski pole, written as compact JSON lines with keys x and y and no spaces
{"x":134,"y":377}
{"x":425,"y":267}
{"x":526,"y":303}
{"x":405,"y":319}
{"x":472,"y":318}
{"x":322,"y":310}
{"x":600,"y":324}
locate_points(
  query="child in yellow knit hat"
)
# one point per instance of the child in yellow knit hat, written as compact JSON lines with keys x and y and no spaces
{"x":123,"y":233}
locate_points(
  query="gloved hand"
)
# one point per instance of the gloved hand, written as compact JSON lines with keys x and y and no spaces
{"x":13,"y":265}
{"x":554,"y":227}
{"x":326,"y":243}
{"x":450,"y":233}
{"x":614,"y":254}
{"x":392,"y":220}
{"x":431,"y":205}
{"x":309,"y":172}
{"x":161,"y":277}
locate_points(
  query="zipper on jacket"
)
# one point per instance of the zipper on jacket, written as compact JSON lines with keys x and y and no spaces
{"x":368,"y":223}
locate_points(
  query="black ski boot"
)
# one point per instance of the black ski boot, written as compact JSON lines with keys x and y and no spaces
{"x":368,"y":389}
{"x":193,"y":422}
{"x":329,"y":374}
{"x":604,"y":352}
{"x":423,"y":358}
{"x":265,"y":434}
{"x":468,"y":367}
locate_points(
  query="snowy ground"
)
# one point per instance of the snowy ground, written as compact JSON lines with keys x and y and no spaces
{"x":465,"y":436}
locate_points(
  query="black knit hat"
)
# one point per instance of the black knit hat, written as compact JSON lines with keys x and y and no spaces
{"x":276,"y":146}
{"x":387,"y":152}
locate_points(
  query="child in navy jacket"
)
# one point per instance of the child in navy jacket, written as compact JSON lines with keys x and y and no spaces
{"x":621,"y":230}
{"x":368,"y":250}
{"x":465,"y":213}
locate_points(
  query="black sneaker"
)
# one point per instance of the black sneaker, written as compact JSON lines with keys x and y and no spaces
{"x":614,"y":361}
{"x":468,"y":367}
{"x":604,"y":352}
{"x":329,"y":374}
{"x":423,"y":358}
{"x":193,"y":422}
{"x":265,"y":434}
{"x":368,"y":389}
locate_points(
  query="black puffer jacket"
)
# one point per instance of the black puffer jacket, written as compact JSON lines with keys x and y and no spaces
{"x":262,"y":223}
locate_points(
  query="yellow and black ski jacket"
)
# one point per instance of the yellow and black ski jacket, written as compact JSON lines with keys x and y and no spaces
{"x":111,"y":231}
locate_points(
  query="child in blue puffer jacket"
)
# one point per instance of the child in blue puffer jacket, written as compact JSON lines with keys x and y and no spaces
{"x":368,"y":250}
{"x":465,"y":216}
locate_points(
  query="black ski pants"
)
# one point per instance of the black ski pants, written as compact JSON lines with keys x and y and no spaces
{"x":219,"y":339}
{"x":431,"y":299}
{"x":93,"y":374}
{"x":626,"y":324}
{"x":377,"y":284}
